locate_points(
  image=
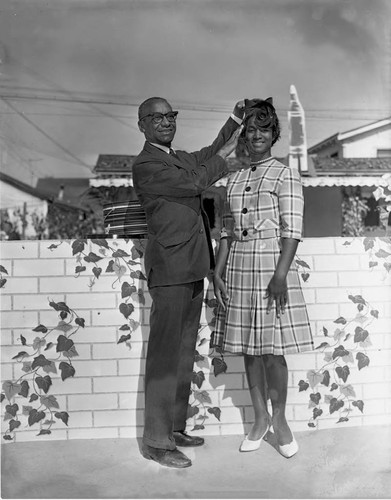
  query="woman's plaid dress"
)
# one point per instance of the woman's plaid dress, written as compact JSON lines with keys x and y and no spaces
{"x":264,"y":203}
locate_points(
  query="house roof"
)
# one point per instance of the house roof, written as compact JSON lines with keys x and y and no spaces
{"x":25,"y":188}
{"x":333,"y":139}
{"x":351,"y":166}
{"x":72,"y":189}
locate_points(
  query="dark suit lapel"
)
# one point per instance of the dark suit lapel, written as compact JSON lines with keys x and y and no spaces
{"x":162,"y":155}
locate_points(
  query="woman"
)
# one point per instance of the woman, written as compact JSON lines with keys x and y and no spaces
{"x":262,"y":313}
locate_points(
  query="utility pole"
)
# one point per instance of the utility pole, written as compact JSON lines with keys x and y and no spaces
{"x":297,"y":133}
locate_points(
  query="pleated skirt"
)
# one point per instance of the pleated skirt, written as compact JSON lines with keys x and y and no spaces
{"x":245,"y":327}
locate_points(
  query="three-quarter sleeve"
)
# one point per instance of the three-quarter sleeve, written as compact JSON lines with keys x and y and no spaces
{"x":291,"y":205}
{"x":228,"y":222}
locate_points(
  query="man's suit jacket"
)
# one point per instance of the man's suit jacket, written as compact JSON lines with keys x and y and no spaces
{"x":169,"y":188}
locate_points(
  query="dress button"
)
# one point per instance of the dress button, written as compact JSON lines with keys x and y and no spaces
{"x":244,"y":232}
{"x":248,"y":188}
{"x":253,"y":169}
{"x":244,"y":211}
{"x":201,"y":230}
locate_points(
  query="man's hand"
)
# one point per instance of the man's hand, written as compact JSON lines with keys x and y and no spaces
{"x":239,"y":109}
{"x":231,"y":144}
{"x":220,"y":291}
{"x":276,"y":291}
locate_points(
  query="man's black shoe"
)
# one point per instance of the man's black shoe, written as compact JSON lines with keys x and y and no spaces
{"x":183,"y":439}
{"x":167,"y":458}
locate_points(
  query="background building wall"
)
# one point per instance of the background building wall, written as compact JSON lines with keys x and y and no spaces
{"x":104,"y":398}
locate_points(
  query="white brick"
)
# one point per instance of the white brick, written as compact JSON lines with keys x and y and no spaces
{"x":7,"y":264}
{"x":7,"y":337}
{"x":230,"y":429}
{"x":94,"y":368}
{"x":378,"y":390}
{"x":35,"y":302}
{"x":316,"y":246}
{"x":101,"y":433}
{"x":231,"y":415}
{"x":304,"y":361}
{"x":92,"y":300}
{"x":336,"y":262}
{"x":7,"y":372}
{"x":63,"y":249}
{"x":5,"y":302}
{"x":19,"y":319}
{"x":363,"y":279}
{"x":93,"y":402}
{"x":375,"y":294}
{"x":39,"y":267}
{"x":107,"y":351}
{"x":333,"y":296}
{"x":355,"y":246}
{"x":118,"y":384}
{"x":131,"y":432}
{"x":131,"y":400}
{"x":118,"y":418}
{"x":94,"y":334}
{"x":79,"y":419}
{"x":322,"y":311}
{"x":309,"y":296}
{"x":319,"y":278}
{"x":131,"y":367}
{"x":21,"y":285}
{"x":111,"y":317}
{"x":66,"y":284}
{"x":76,"y":385}
{"x":56,"y":435}
{"x":19,"y":249}
{"x":377,"y":420}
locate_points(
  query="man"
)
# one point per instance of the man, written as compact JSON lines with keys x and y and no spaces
{"x":178,"y":257}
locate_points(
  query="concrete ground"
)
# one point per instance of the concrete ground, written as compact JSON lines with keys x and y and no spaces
{"x":341,"y":463}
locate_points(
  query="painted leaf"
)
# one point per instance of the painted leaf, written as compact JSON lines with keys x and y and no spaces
{"x":97,"y":271}
{"x":109,"y":268}
{"x":13,"y":424}
{"x":215,"y":411}
{"x":10,"y":389}
{"x":40,"y":328}
{"x":71,"y":353}
{"x":359,"y":404}
{"x":38,"y":342}
{"x":136,"y":253}
{"x":23,"y":340}
{"x":360,"y":334}
{"x":325,"y":332}
{"x":3,"y":270}
{"x":133,"y":324}
{"x":335,"y":405}
{"x":348,"y":359}
{"x":126,"y":309}
{"x":305,"y":276}
{"x":198,"y":427}
{"x":92,"y":257}
{"x":7,"y":437}
{"x":44,"y":383}
{"x":26,"y":409}
{"x":343,"y":372}
{"x":50,"y":368}
{"x":59,"y":306}
{"x":44,"y":432}
{"x":339,"y":352}
{"x":62,"y":415}
{"x":49,"y":345}
{"x":374,"y":313}
{"x":362,"y":359}
{"x":77,"y":246}
{"x":119,"y":270}
{"x":368,"y":243}
{"x":387,"y":266}
{"x":338,"y":334}
{"x":21,"y":355}
{"x":314,"y":378}
{"x":302,"y":263}
{"x":12,"y":409}
{"x":357,"y":299}
{"x":348,"y":391}
{"x":63,"y":343}
{"x":80,"y":321}
{"x":191,"y":411}
{"x":382,"y":254}
{"x":316,"y":412}
{"x":311,"y":424}
{"x":202,"y":397}
{"x":202,"y":342}
{"x":323,"y":345}
{"x":326,"y":378}
{"x":219,"y":366}
{"x":24,"y":389}
{"x":120,"y":253}
{"x":124,"y":327}
{"x":303,"y":386}
{"x":3,"y":281}
{"x":198,"y":378}
{"x":341,"y":320}
{"x":141,"y":297}
{"x":33,"y":397}
{"x":127,"y":289}
{"x":67,"y":370}
{"x":327,"y":398}
{"x":124,"y":338}
{"x":2,"y":397}
{"x":101,"y":242}
{"x":342,"y":419}
{"x":315,"y":398}
{"x":63,"y":326}
{"x":49,"y":401}
{"x":138,"y":275}
{"x":80,"y":269}
{"x":198,"y":357}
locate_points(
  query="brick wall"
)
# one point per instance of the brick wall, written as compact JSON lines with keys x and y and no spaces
{"x":104,"y":398}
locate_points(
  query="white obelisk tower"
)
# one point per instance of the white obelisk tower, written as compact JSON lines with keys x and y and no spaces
{"x":297,"y":134}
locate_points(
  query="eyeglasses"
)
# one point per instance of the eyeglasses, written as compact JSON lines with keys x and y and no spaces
{"x":158,"y":117}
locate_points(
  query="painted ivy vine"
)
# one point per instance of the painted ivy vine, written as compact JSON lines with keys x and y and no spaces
{"x":345,"y":346}
{"x":41,"y":356}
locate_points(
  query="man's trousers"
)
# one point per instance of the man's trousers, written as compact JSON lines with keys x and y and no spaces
{"x":174,"y":322}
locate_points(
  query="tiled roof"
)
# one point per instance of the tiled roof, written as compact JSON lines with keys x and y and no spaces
{"x":351,"y":166}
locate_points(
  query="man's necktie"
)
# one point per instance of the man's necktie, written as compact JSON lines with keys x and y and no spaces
{"x":172,"y":153}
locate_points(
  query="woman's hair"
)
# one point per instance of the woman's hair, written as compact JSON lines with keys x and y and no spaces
{"x":265,"y":117}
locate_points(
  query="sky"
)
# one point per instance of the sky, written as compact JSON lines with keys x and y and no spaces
{"x":73,"y":72}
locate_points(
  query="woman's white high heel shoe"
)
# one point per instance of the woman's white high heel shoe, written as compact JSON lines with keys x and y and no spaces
{"x":288,"y":450}
{"x":251,"y":445}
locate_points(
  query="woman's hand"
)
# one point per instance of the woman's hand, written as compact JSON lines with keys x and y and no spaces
{"x":220,"y":291}
{"x":231,"y":144}
{"x":276,"y":291}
